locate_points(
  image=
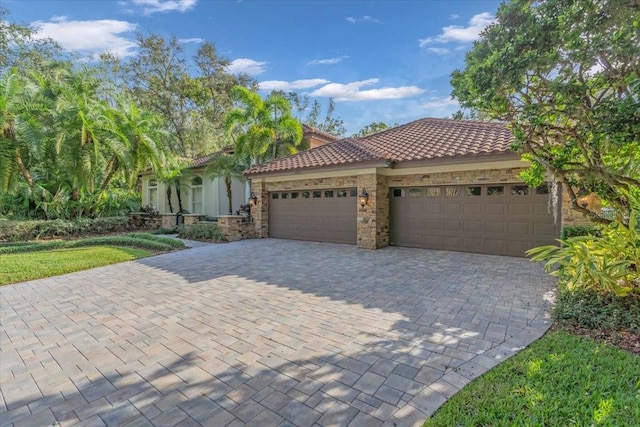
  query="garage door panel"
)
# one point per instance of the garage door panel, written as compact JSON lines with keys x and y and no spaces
{"x":317,"y":215}
{"x":501,"y":219}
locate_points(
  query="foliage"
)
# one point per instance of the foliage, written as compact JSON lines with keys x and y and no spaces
{"x":21,"y":267}
{"x":579,"y":230}
{"x":564,"y":75}
{"x":308,"y":112}
{"x":372,"y":128}
{"x":262,"y":129}
{"x":193,"y":95}
{"x":202,"y":232}
{"x":593,"y":310}
{"x":609,"y":263}
{"x":228,"y":167}
{"x":163,"y":230}
{"x":37,"y":229}
{"x":174,"y":243}
{"x":559,"y":380}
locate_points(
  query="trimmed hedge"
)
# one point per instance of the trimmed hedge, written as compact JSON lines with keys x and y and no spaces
{"x":30,"y":230}
{"x":579,"y":230}
{"x":202,"y":232}
{"x":174,"y":243}
{"x":135,"y":242}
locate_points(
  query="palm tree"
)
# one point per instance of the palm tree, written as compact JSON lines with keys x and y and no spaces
{"x":262,"y":129}
{"x":228,"y":167}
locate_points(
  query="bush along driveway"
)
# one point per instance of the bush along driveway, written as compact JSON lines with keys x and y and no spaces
{"x":263,"y":332}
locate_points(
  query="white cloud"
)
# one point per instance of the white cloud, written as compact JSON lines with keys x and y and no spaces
{"x":457,"y":33}
{"x":440,"y":107}
{"x":89,"y":37}
{"x":328,"y":61}
{"x":196,"y":40}
{"x":455,"y":16}
{"x":247,"y":66}
{"x":364,"y":19}
{"x":353,"y":91}
{"x":439,"y":51}
{"x":153,"y":6}
{"x":297,"y":84}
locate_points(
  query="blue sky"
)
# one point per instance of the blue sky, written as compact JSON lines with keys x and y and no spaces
{"x":380,"y":60}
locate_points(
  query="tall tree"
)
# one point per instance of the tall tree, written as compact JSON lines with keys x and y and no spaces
{"x":309,"y":112}
{"x":564,"y":75}
{"x":262,"y":129}
{"x":372,"y":128}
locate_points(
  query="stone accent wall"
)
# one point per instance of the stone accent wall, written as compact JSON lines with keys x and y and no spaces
{"x":168,"y":220}
{"x":373,"y":218}
{"x":572,"y":217}
{"x":260,"y":212}
{"x":191,"y":218}
{"x":234,"y":229}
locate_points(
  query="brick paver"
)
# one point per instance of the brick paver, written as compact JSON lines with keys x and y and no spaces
{"x":263,"y":332}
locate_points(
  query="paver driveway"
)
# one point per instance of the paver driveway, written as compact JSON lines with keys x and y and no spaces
{"x":263,"y":332}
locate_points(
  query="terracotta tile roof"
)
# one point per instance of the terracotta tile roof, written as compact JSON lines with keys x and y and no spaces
{"x":341,"y":152}
{"x":419,"y":140}
{"x":311,"y":131}
{"x":204,"y":160}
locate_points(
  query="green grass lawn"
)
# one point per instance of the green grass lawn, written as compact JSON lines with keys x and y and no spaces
{"x":560,"y":380}
{"x":20,"y":267}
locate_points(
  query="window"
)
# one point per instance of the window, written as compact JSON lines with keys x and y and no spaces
{"x":294,"y":195}
{"x":341,"y":193}
{"x":317,"y":194}
{"x":543,"y":189}
{"x":495,"y":190}
{"x":433,"y":192}
{"x":353,"y":193}
{"x":152,"y":192}
{"x":305,"y":194}
{"x":415,"y":192}
{"x":284,"y":195}
{"x":275,"y":196}
{"x":328,"y":193}
{"x":452,"y":192}
{"x":196,"y":195}
{"x":474,"y":191}
{"x":398,"y":192}
{"x":519,"y":190}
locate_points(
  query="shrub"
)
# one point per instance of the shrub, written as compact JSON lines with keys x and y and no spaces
{"x":605,"y":264}
{"x":588,"y":308}
{"x":579,"y":230}
{"x":37,"y":229}
{"x":163,"y":230}
{"x":204,"y":232}
{"x":174,"y":243}
{"x":135,"y":242}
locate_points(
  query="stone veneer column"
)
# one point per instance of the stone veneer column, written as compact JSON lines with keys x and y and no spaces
{"x":373,"y":218}
{"x":260,"y":212}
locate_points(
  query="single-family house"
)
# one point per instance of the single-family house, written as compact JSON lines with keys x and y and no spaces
{"x":203,"y":195}
{"x":432,"y":183}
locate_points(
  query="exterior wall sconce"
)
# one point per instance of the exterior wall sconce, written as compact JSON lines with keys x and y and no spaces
{"x":583,"y":197}
{"x":363,"y":197}
{"x":253,"y":199}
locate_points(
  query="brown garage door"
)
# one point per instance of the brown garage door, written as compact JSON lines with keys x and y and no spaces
{"x":501,"y":219}
{"x":320,"y":215}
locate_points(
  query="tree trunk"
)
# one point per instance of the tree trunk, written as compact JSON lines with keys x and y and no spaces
{"x":169,"y":198}
{"x":23,"y":169}
{"x":179,"y":197}
{"x":227,"y":182}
